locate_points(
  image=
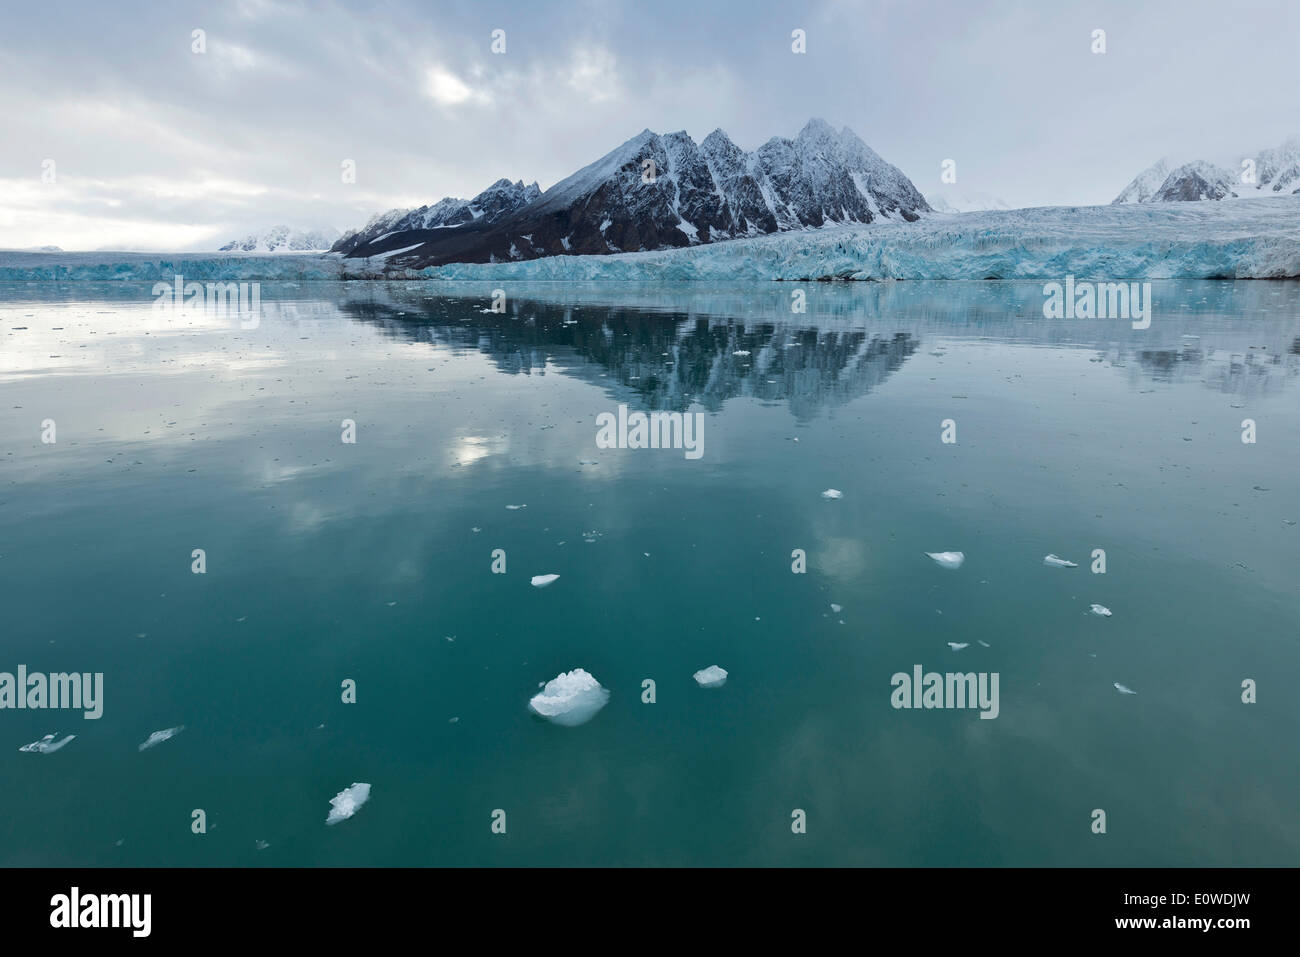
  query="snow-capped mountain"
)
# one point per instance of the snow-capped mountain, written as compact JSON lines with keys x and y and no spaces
{"x":1276,"y":173}
{"x":661,"y":191}
{"x":282,"y":239}
{"x":499,"y":199}
{"x":1145,"y":186}
{"x":1278,"y":169}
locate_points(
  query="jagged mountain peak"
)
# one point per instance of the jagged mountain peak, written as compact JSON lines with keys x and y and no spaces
{"x":817,"y":128}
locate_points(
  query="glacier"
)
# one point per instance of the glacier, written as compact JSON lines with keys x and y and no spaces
{"x":1251,"y":239}
{"x":1247,"y":239}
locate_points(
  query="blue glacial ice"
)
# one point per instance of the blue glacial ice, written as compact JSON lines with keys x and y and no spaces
{"x":1251,"y":239}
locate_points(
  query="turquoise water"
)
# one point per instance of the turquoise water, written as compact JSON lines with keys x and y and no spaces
{"x":328,"y":561}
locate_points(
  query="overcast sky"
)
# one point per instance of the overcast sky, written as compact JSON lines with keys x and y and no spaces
{"x":158,"y":147}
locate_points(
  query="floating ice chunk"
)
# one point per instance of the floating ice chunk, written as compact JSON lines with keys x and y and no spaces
{"x":347,"y":802}
{"x":515,"y":508}
{"x":836,"y":608}
{"x":570,"y":699}
{"x":985,"y":644}
{"x":958,"y":645}
{"x":832,"y":493}
{"x":711,"y":677}
{"x":158,"y":737}
{"x":1122,"y":689}
{"x":47,"y":744}
{"x":261,"y":845}
{"x":741,"y":352}
{"x":1058,"y":562}
{"x":1101,"y":610}
{"x":947,"y":559}
{"x":541,"y":581}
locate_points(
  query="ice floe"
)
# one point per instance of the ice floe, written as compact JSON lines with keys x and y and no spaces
{"x":710,"y":677}
{"x":47,"y":744}
{"x":158,"y":737}
{"x":958,"y":645}
{"x":1058,"y":562}
{"x":832,"y":493}
{"x":947,"y":559}
{"x":836,"y":608}
{"x":541,"y":581}
{"x":1123,"y":689}
{"x":347,"y":802}
{"x":1101,"y":610}
{"x":570,"y":699}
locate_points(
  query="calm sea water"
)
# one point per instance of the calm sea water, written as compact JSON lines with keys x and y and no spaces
{"x":328,"y":561}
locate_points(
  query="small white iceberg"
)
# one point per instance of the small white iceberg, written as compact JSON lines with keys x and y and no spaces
{"x":947,"y":559}
{"x":1101,"y":610}
{"x":1058,"y":562}
{"x":832,"y":493}
{"x":515,"y":508}
{"x":570,"y":699}
{"x":710,"y":677}
{"x":836,"y":608}
{"x":47,"y":744}
{"x":541,"y":581}
{"x":347,"y":802}
{"x":1122,"y":689}
{"x":958,"y":645}
{"x":158,"y":737}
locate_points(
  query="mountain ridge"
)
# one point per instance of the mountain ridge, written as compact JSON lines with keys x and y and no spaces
{"x":283,"y":239}
{"x":660,"y":191}
{"x":1276,"y":173}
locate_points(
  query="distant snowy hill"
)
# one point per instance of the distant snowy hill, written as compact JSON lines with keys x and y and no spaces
{"x":282,"y":239}
{"x":1276,"y":173}
{"x":946,"y":200}
{"x":658,"y":192}
{"x":499,"y":199}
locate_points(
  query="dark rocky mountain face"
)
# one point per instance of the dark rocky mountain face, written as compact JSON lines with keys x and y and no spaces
{"x":655,"y":192}
{"x":1193,"y":182}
